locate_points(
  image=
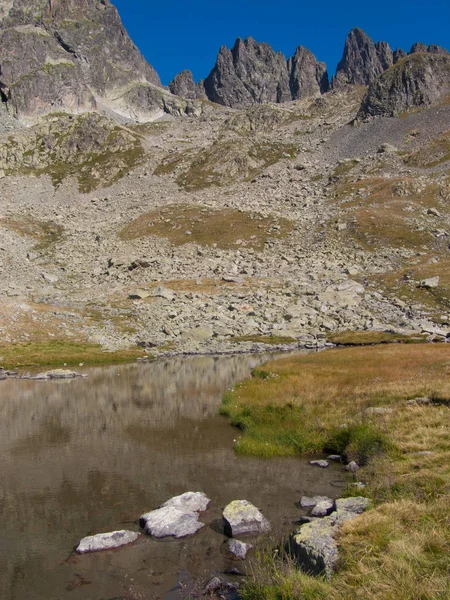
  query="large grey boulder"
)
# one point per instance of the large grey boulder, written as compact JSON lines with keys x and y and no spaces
{"x":313,"y":545}
{"x":59,"y":374}
{"x":178,"y":517}
{"x":106,"y":541}
{"x":418,"y":81}
{"x":312,"y":501}
{"x":240,"y":517}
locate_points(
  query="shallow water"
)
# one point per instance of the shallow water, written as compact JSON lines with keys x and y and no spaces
{"x":90,"y":455}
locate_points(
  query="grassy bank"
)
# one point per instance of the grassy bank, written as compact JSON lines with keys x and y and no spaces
{"x":56,"y":353}
{"x":399,"y":549}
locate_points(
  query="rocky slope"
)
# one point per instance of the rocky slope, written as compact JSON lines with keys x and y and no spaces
{"x":224,"y":228}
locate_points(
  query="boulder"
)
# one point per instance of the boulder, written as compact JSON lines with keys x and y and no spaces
{"x":107,"y":541}
{"x":240,"y":517}
{"x":178,"y":517}
{"x":431,"y":283}
{"x":313,"y":545}
{"x":238,"y":549}
{"x":59,"y":374}
{"x":323,"y":508}
{"x":311,"y":501}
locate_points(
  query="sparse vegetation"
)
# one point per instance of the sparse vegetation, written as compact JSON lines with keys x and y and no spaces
{"x":368,"y":338}
{"x":433,"y":154}
{"x":270,"y":340}
{"x":227,"y":228}
{"x":46,"y":233}
{"x":399,"y":549}
{"x":57,"y":352}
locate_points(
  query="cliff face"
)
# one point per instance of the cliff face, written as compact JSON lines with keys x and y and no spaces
{"x":75,"y":55}
{"x":363,"y":61}
{"x":419,"y":80}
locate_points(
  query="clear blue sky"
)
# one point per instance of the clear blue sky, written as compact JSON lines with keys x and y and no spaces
{"x":186,"y":34}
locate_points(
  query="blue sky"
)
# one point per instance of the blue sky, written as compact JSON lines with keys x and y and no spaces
{"x":175,"y":35}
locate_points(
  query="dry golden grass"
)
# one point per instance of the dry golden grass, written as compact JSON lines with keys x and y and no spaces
{"x":399,"y":550}
{"x":404,"y":284}
{"x":367,"y":338}
{"x":383,"y":209}
{"x":227,"y":228}
{"x":435,"y":153}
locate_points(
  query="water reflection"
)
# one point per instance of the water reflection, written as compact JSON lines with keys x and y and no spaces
{"x":92,"y":454}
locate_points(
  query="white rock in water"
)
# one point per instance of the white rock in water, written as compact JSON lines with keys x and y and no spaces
{"x":107,"y":541}
{"x":178,"y":517}
{"x":169,"y":521}
{"x":59,"y":374}
{"x":240,"y":516}
{"x":189,"y":502}
{"x":323,"y":508}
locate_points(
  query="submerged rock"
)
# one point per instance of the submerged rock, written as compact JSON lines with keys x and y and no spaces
{"x":240,"y":517}
{"x":106,"y":541}
{"x":178,"y":517}
{"x":238,"y":549}
{"x":311,"y":501}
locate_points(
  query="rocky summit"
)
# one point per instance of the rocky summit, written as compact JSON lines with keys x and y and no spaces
{"x":258,"y":208}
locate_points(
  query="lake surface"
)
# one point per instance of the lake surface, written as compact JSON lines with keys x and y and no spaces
{"x":91,"y":455}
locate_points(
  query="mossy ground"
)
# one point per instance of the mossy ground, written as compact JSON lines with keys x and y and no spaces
{"x":399,"y":549}
{"x":227,"y":228}
{"x":58,"y":352}
{"x":367,"y":338}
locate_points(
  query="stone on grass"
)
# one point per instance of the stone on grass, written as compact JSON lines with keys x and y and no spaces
{"x":107,"y":541}
{"x":335,"y":457}
{"x":323,"y":464}
{"x":311,"y":501}
{"x":357,"y":504}
{"x":431,"y":283}
{"x":240,"y":517}
{"x":313,"y":544}
{"x":353,"y":467}
{"x":178,"y":517}
{"x":322,"y":509}
{"x":238,"y":549}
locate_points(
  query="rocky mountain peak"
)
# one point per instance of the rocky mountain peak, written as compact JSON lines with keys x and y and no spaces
{"x":362,"y":61}
{"x":253,"y":73}
{"x":184,"y":85}
{"x":421,"y":79}
{"x":75,"y":55}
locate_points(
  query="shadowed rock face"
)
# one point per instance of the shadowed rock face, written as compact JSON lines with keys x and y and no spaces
{"x":183,"y":85}
{"x":363,"y":61}
{"x":76,"y":55}
{"x":419,"y":80}
{"x":307,"y":76}
{"x":253,"y":73}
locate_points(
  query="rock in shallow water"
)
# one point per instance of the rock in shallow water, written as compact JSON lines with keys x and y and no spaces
{"x":322,"y":509}
{"x":240,"y":516}
{"x":238,"y":549}
{"x":178,"y":517}
{"x":58,"y":374}
{"x":311,"y":501}
{"x":107,"y":541}
{"x":319,"y":463}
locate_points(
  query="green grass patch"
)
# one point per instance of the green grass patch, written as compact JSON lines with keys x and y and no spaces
{"x":227,"y":228}
{"x":320,"y":401}
{"x":58,"y":352}
{"x":366,"y":338}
